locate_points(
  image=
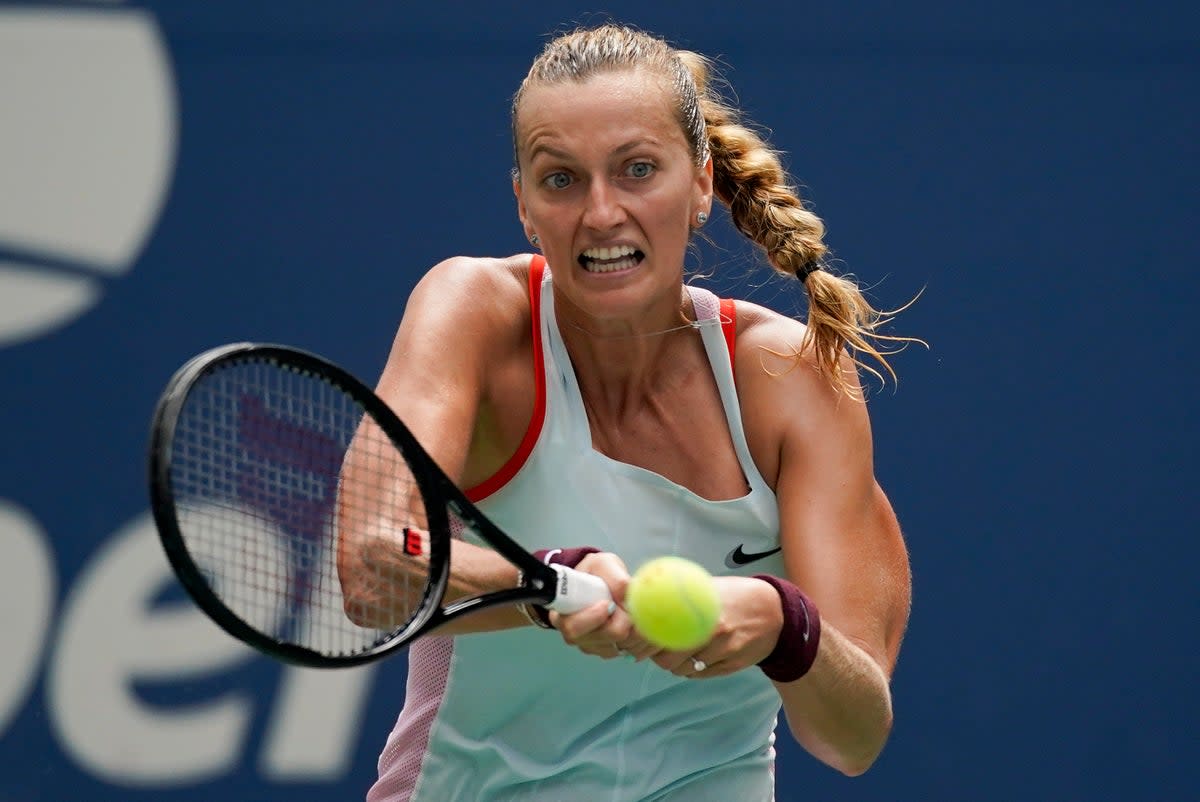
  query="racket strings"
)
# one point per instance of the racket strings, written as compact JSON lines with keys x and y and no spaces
{"x":264,"y":490}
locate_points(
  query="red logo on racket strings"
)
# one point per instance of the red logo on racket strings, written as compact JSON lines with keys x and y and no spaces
{"x":413,"y":542}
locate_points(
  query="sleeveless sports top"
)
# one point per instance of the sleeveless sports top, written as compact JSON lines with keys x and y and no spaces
{"x":518,"y":714}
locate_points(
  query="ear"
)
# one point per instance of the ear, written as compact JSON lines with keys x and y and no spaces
{"x":704,"y":189}
{"x":522,"y":214}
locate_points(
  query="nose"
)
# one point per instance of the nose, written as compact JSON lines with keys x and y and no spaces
{"x":604,"y":210}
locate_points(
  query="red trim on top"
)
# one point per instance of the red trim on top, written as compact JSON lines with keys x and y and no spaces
{"x":729,"y":325}
{"x":510,"y":468}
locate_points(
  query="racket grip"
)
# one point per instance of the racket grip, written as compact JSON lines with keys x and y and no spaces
{"x":577,"y":590}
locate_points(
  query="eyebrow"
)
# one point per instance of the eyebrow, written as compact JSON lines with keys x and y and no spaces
{"x":549,"y":150}
{"x":554,"y":152}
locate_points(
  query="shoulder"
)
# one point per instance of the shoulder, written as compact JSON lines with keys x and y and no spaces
{"x":466,"y":294}
{"x":476,"y":280}
{"x":769,"y":343}
{"x":780,"y":384}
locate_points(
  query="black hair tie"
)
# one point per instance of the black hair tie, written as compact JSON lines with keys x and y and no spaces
{"x":808,"y":269}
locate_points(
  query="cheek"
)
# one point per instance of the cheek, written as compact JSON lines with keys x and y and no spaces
{"x":540,"y":217}
{"x":546,"y":205}
{"x":670,"y":215}
{"x":680,"y":198}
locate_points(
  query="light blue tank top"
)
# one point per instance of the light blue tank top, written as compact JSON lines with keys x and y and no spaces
{"x":519,"y":715}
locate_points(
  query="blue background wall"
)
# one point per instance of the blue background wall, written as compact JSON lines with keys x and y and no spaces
{"x":1032,"y":167}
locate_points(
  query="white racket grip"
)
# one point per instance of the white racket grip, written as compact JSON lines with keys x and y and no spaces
{"x":577,"y":590}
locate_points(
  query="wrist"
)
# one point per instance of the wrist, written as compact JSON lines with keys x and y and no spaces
{"x":796,"y":650}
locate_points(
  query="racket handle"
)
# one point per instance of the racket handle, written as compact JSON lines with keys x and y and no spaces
{"x":577,"y":590}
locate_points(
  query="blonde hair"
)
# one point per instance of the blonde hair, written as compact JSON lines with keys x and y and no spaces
{"x":748,"y":177}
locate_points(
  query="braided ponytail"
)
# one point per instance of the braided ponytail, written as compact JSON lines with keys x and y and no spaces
{"x":748,"y":177}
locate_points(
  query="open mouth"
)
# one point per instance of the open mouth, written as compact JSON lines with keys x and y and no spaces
{"x":610,"y":260}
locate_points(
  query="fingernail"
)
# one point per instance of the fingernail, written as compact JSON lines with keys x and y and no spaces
{"x":612,"y":607}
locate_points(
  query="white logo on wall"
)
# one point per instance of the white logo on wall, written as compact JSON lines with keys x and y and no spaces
{"x":88,"y":138}
{"x":87,"y":148}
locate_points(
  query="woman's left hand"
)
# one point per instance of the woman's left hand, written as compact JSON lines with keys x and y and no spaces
{"x":747,"y":631}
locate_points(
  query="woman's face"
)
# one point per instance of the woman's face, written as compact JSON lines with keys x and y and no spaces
{"x":611,"y":188}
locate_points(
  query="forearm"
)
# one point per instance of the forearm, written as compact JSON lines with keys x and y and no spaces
{"x":383,"y":548}
{"x":480,"y":570}
{"x":397,"y":582}
{"x":841,"y":709}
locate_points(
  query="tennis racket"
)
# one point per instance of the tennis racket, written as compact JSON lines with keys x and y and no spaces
{"x":266,"y":462}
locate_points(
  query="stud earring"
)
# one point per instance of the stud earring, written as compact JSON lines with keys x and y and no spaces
{"x":701,"y":218}
{"x":535,"y":240}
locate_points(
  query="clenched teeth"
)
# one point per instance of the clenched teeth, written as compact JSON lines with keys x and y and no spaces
{"x":609,"y":260}
{"x":601,"y":254}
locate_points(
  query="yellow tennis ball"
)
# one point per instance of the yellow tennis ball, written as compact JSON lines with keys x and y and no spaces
{"x":673,"y":602}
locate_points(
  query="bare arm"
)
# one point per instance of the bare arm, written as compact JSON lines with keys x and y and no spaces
{"x":843,"y":547}
{"x":456,"y":324}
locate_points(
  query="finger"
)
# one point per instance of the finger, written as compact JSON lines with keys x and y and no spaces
{"x":632,"y":643}
{"x":696,"y":668}
{"x":621,"y":630}
{"x":688,"y":665}
{"x":617,"y":628}
{"x":578,"y":625}
{"x":603,"y":648}
{"x":714,"y":670}
{"x":606,"y":650}
{"x":640,"y":651}
{"x":674,"y":662}
{"x":611,"y":569}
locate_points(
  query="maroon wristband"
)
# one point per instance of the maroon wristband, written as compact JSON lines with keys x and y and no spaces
{"x":568,"y":557}
{"x":796,"y":649}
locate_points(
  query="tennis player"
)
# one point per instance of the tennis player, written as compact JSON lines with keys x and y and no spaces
{"x":604,"y":412}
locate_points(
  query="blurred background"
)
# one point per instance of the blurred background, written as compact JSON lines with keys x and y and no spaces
{"x":175,"y":176}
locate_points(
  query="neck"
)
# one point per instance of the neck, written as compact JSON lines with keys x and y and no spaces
{"x":621,"y":363}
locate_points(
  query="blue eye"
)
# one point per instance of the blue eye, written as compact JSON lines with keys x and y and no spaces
{"x":640,"y":169}
{"x":558,"y":180}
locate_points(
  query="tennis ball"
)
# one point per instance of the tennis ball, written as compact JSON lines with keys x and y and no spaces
{"x":673,"y":602}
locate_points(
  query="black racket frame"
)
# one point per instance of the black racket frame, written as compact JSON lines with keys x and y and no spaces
{"x":438,"y":492}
